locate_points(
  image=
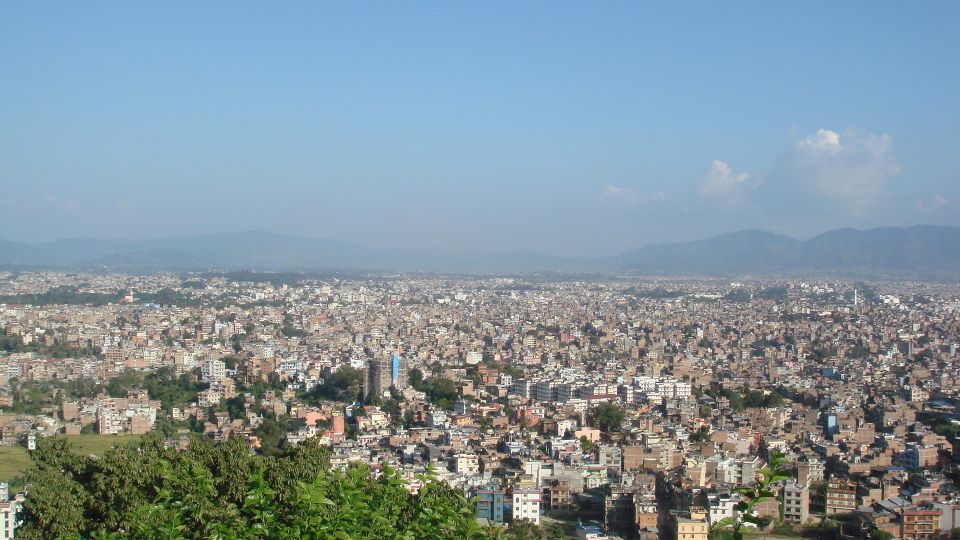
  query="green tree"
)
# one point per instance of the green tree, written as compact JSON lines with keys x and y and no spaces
{"x":271,"y":432}
{"x":776,"y":471}
{"x":223,"y":490}
{"x":608,"y":417}
{"x":345,"y":384}
{"x":236,"y":407}
{"x":586,"y":444}
{"x":415,"y":377}
{"x":523,"y":529}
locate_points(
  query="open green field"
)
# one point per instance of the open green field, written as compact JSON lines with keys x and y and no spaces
{"x":98,"y":444}
{"x":14,"y":461}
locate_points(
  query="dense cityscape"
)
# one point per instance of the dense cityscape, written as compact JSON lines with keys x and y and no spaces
{"x":614,"y":408}
{"x":479,"y":270}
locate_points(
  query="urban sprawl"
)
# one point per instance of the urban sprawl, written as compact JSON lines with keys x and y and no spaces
{"x":623,"y":408}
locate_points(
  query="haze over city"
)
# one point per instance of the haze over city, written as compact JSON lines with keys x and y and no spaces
{"x":571,"y":129}
{"x":495,"y":270}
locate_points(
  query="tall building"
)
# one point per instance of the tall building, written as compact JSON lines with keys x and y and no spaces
{"x":213,"y":371}
{"x":399,"y":371}
{"x":526,"y":505}
{"x":796,"y":502}
{"x":618,"y":511}
{"x":378,"y":377}
{"x":490,"y":503}
{"x":8,"y":513}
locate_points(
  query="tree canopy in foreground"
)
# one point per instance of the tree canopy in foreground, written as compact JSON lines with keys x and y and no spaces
{"x":224,"y":491}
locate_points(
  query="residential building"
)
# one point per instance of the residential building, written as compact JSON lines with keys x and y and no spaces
{"x":526,"y":504}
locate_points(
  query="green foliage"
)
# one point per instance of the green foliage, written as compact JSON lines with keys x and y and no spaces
{"x":168,"y":427}
{"x":59,"y":348}
{"x":607,"y":417}
{"x":235,"y":407}
{"x":225,"y":491}
{"x":513,"y":371}
{"x":523,"y":530}
{"x":68,"y":295}
{"x":345,"y":384}
{"x":528,"y":530}
{"x":947,"y":430}
{"x":702,"y":434}
{"x":271,"y":432}
{"x":391,"y":406}
{"x":171,"y":390}
{"x":168,"y":297}
{"x":415,"y":377}
{"x":288,"y":330}
{"x":773,"y":293}
{"x":745,"y":398}
{"x":738,"y":296}
{"x":586,"y":444}
{"x":230,"y":361}
{"x":857,"y":351}
{"x":30,"y":397}
{"x":81,"y":387}
{"x":441,"y":391}
{"x":776,"y":471}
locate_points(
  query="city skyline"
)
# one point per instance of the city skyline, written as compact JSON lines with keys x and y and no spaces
{"x":489,"y":271}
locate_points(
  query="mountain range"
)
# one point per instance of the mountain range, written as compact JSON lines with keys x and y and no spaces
{"x":918,"y":251}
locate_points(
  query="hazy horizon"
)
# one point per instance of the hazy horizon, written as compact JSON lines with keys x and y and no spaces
{"x":449,"y":250}
{"x":551,"y":127}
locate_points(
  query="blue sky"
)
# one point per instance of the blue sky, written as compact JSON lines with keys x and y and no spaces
{"x":577,"y":128}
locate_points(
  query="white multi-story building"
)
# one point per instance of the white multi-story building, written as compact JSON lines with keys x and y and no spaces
{"x":213,"y":371}
{"x":108,"y":422}
{"x":466,"y":464}
{"x":526,"y":504}
{"x":645,"y":384}
{"x":796,"y":502}
{"x":8,"y":519}
{"x":722,"y":506}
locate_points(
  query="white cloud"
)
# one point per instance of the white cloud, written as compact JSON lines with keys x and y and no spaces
{"x":721,"y":180}
{"x":850,"y":169}
{"x":824,"y":141}
{"x":936,"y":202}
{"x":631,"y":196}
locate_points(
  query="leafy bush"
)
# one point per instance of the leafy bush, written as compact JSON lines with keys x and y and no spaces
{"x":225,"y":491}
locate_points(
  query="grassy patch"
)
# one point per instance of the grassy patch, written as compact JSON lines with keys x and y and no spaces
{"x":98,"y":444}
{"x":15,"y":460}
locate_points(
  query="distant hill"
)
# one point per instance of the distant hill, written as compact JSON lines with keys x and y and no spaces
{"x":750,"y":251}
{"x":921,"y":251}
